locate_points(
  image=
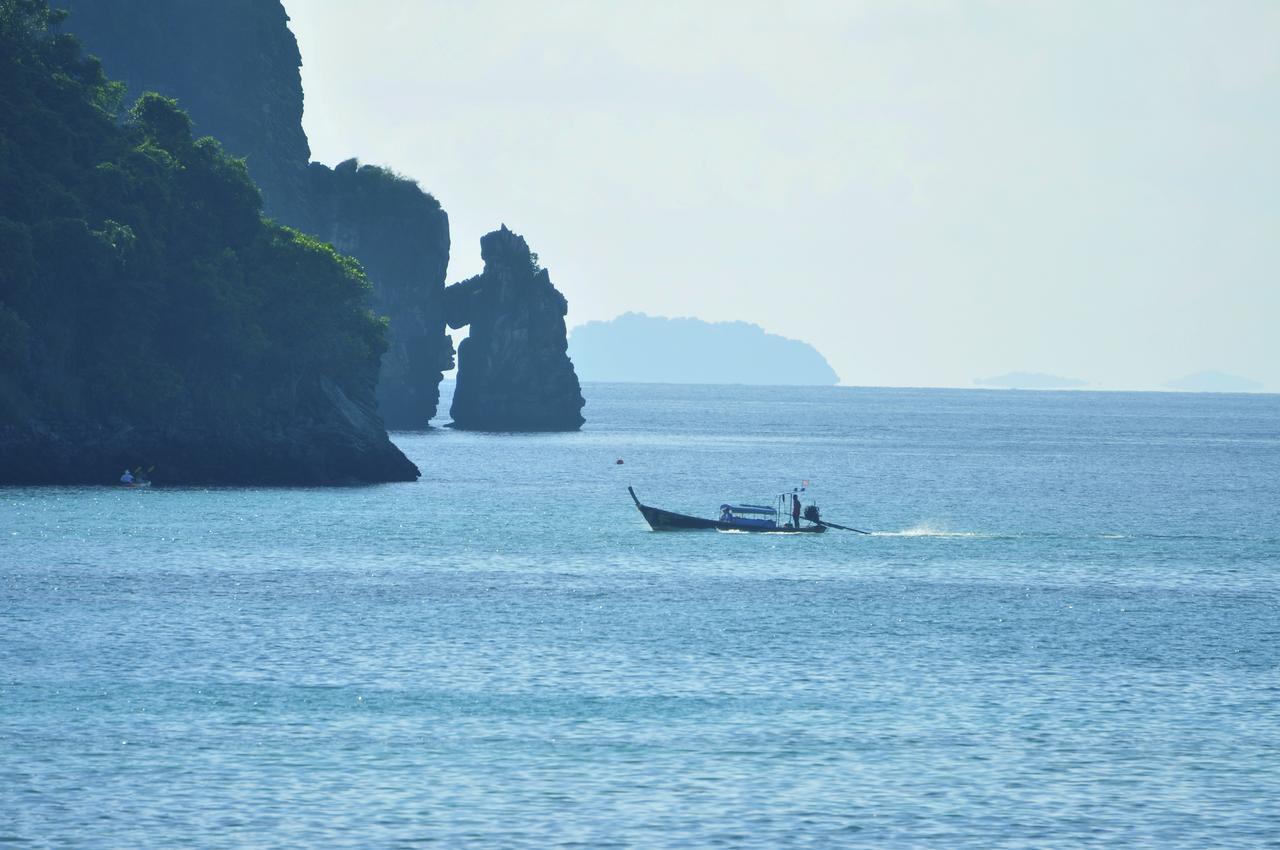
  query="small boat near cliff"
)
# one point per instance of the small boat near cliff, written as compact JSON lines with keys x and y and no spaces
{"x":755,"y":518}
{"x":135,"y":480}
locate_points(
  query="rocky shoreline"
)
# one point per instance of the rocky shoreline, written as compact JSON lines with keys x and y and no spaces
{"x":334,"y":442}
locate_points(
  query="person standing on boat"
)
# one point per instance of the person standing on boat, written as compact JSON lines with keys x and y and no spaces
{"x":795,"y":511}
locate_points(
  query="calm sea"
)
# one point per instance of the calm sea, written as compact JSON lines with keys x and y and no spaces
{"x":1065,"y":632}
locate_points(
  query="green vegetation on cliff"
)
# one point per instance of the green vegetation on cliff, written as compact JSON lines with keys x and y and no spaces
{"x":401,"y":237}
{"x":232,"y":64}
{"x":143,"y":294}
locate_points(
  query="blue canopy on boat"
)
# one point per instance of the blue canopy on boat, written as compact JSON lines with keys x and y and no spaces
{"x":749,"y":509}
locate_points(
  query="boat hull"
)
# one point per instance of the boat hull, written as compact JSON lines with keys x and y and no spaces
{"x":660,"y":520}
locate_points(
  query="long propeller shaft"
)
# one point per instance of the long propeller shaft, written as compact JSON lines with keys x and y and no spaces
{"x":842,"y":527}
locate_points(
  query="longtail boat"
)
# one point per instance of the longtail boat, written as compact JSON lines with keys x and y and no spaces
{"x":757,"y":518}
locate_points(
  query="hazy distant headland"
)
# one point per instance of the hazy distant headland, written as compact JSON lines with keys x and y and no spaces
{"x":1214,"y":382}
{"x":639,"y":348}
{"x":1030,"y":381}
{"x":1200,"y":382}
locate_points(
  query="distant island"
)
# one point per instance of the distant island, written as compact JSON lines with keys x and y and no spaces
{"x":1030,"y":381}
{"x":637,"y":348}
{"x":1214,"y":382}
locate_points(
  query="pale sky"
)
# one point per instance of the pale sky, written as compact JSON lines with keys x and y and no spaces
{"x":928,"y":192}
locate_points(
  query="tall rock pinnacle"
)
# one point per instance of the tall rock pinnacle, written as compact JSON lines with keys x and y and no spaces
{"x":514,"y":372}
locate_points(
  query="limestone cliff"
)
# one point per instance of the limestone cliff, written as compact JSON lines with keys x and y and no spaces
{"x":514,"y":372}
{"x":324,"y":436}
{"x":401,"y":236}
{"x":234,"y":66}
{"x":149,"y":315}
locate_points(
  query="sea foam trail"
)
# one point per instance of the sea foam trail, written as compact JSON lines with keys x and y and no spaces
{"x":925,"y":530}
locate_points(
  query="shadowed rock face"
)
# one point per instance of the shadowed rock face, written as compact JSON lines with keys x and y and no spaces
{"x":327,"y":438}
{"x":151,"y":317}
{"x":401,"y":237}
{"x":514,"y":372}
{"x":231,"y":64}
